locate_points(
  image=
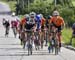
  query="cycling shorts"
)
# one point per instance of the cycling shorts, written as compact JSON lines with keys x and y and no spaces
{"x":42,"y":28}
{"x":59,"y":28}
{"x":29,"y":26}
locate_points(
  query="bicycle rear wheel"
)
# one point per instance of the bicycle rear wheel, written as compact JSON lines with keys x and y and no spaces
{"x":56,"y":47}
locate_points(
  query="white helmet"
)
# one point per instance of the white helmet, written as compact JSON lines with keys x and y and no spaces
{"x":13,"y":14}
{"x":55,"y":13}
{"x":41,"y":15}
{"x":26,"y":15}
{"x":32,"y":14}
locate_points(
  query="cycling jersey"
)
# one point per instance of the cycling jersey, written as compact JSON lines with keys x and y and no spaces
{"x":14,"y":23}
{"x":30,"y":23}
{"x":38,"y":21}
{"x":7,"y":24}
{"x":23,"y":21}
{"x":58,"y":21}
{"x":43,"y":21}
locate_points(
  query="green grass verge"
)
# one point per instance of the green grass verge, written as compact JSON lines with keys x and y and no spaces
{"x":66,"y":35}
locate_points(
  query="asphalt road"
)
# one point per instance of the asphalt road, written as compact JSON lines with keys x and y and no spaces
{"x":4,"y":8}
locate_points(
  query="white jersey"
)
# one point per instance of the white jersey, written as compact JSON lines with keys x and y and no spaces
{"x":31,"y":21}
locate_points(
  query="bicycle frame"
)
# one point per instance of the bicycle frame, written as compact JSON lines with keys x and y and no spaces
{"x":54,"y":40}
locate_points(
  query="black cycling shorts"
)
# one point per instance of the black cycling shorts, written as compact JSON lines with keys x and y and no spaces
{"x":59,"y":28}
{"x":42,"y":28}
{"x":29,"y":26}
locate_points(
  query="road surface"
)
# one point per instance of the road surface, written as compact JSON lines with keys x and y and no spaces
{"x":4,"y":8}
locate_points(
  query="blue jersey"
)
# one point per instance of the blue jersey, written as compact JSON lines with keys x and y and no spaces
{"x":38,"y":21}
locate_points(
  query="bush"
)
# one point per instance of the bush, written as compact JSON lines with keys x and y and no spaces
{"x":68,"y":15}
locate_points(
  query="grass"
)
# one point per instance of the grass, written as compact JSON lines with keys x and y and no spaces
{"x":66,"y":35}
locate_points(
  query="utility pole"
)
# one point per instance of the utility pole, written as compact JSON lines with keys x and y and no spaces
{"x":23,"y":4}
{"x":55,"y":2}
{"x":28,"y":5}
{"x":17,"y":1}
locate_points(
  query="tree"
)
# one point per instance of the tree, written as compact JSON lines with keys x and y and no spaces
{"x":63,"y":2}
{"x":23,"y":5}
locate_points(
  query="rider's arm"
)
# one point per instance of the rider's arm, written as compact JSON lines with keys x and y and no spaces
{"x":63,"y":23}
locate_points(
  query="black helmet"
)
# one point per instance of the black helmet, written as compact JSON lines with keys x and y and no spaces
{"x":49,"y":17}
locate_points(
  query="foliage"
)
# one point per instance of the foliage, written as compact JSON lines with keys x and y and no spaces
{"x":67,"y":36}
{"x":46,"y":7}
{"x":68,"y":15}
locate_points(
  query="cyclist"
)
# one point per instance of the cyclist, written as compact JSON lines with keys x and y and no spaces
{"x":29,"y":27}
{"x":14,"y":26}
{"x":47,"y":21}
{"x":31,"y":21}
{"x":38,"y":27}
{"x":58,"y":22}
{"x":22,"y":27}
{"x":43,"y":29}
{"x":73,"y":33}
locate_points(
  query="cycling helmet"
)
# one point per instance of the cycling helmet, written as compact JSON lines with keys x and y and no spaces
{"x":13,"y":14}
{"x":4,"y":19}
{"x":49,"y":17}
{"x":26,"y":15}
{"x":55,"y":13}
{"x":38,"y":17}
{"x":32,"y":14}
{"x":41,"y":15}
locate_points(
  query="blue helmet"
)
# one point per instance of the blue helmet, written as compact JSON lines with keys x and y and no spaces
{"x":38,"y":17}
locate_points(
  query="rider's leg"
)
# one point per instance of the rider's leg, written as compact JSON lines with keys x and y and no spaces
{"x":42,"y":39}
{"x":59,"y":35}
{"x":59,"y":38}
{"x":7,"y":31}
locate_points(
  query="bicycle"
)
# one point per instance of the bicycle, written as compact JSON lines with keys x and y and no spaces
{"x":46,"y":35}
{"x":23,"y":38}
{"x":36,"y":40}
{"x":54,"y":41}
{"x":29,"y":41}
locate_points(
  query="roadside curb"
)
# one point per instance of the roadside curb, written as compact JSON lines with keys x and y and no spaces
{"x":70,"y":47}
